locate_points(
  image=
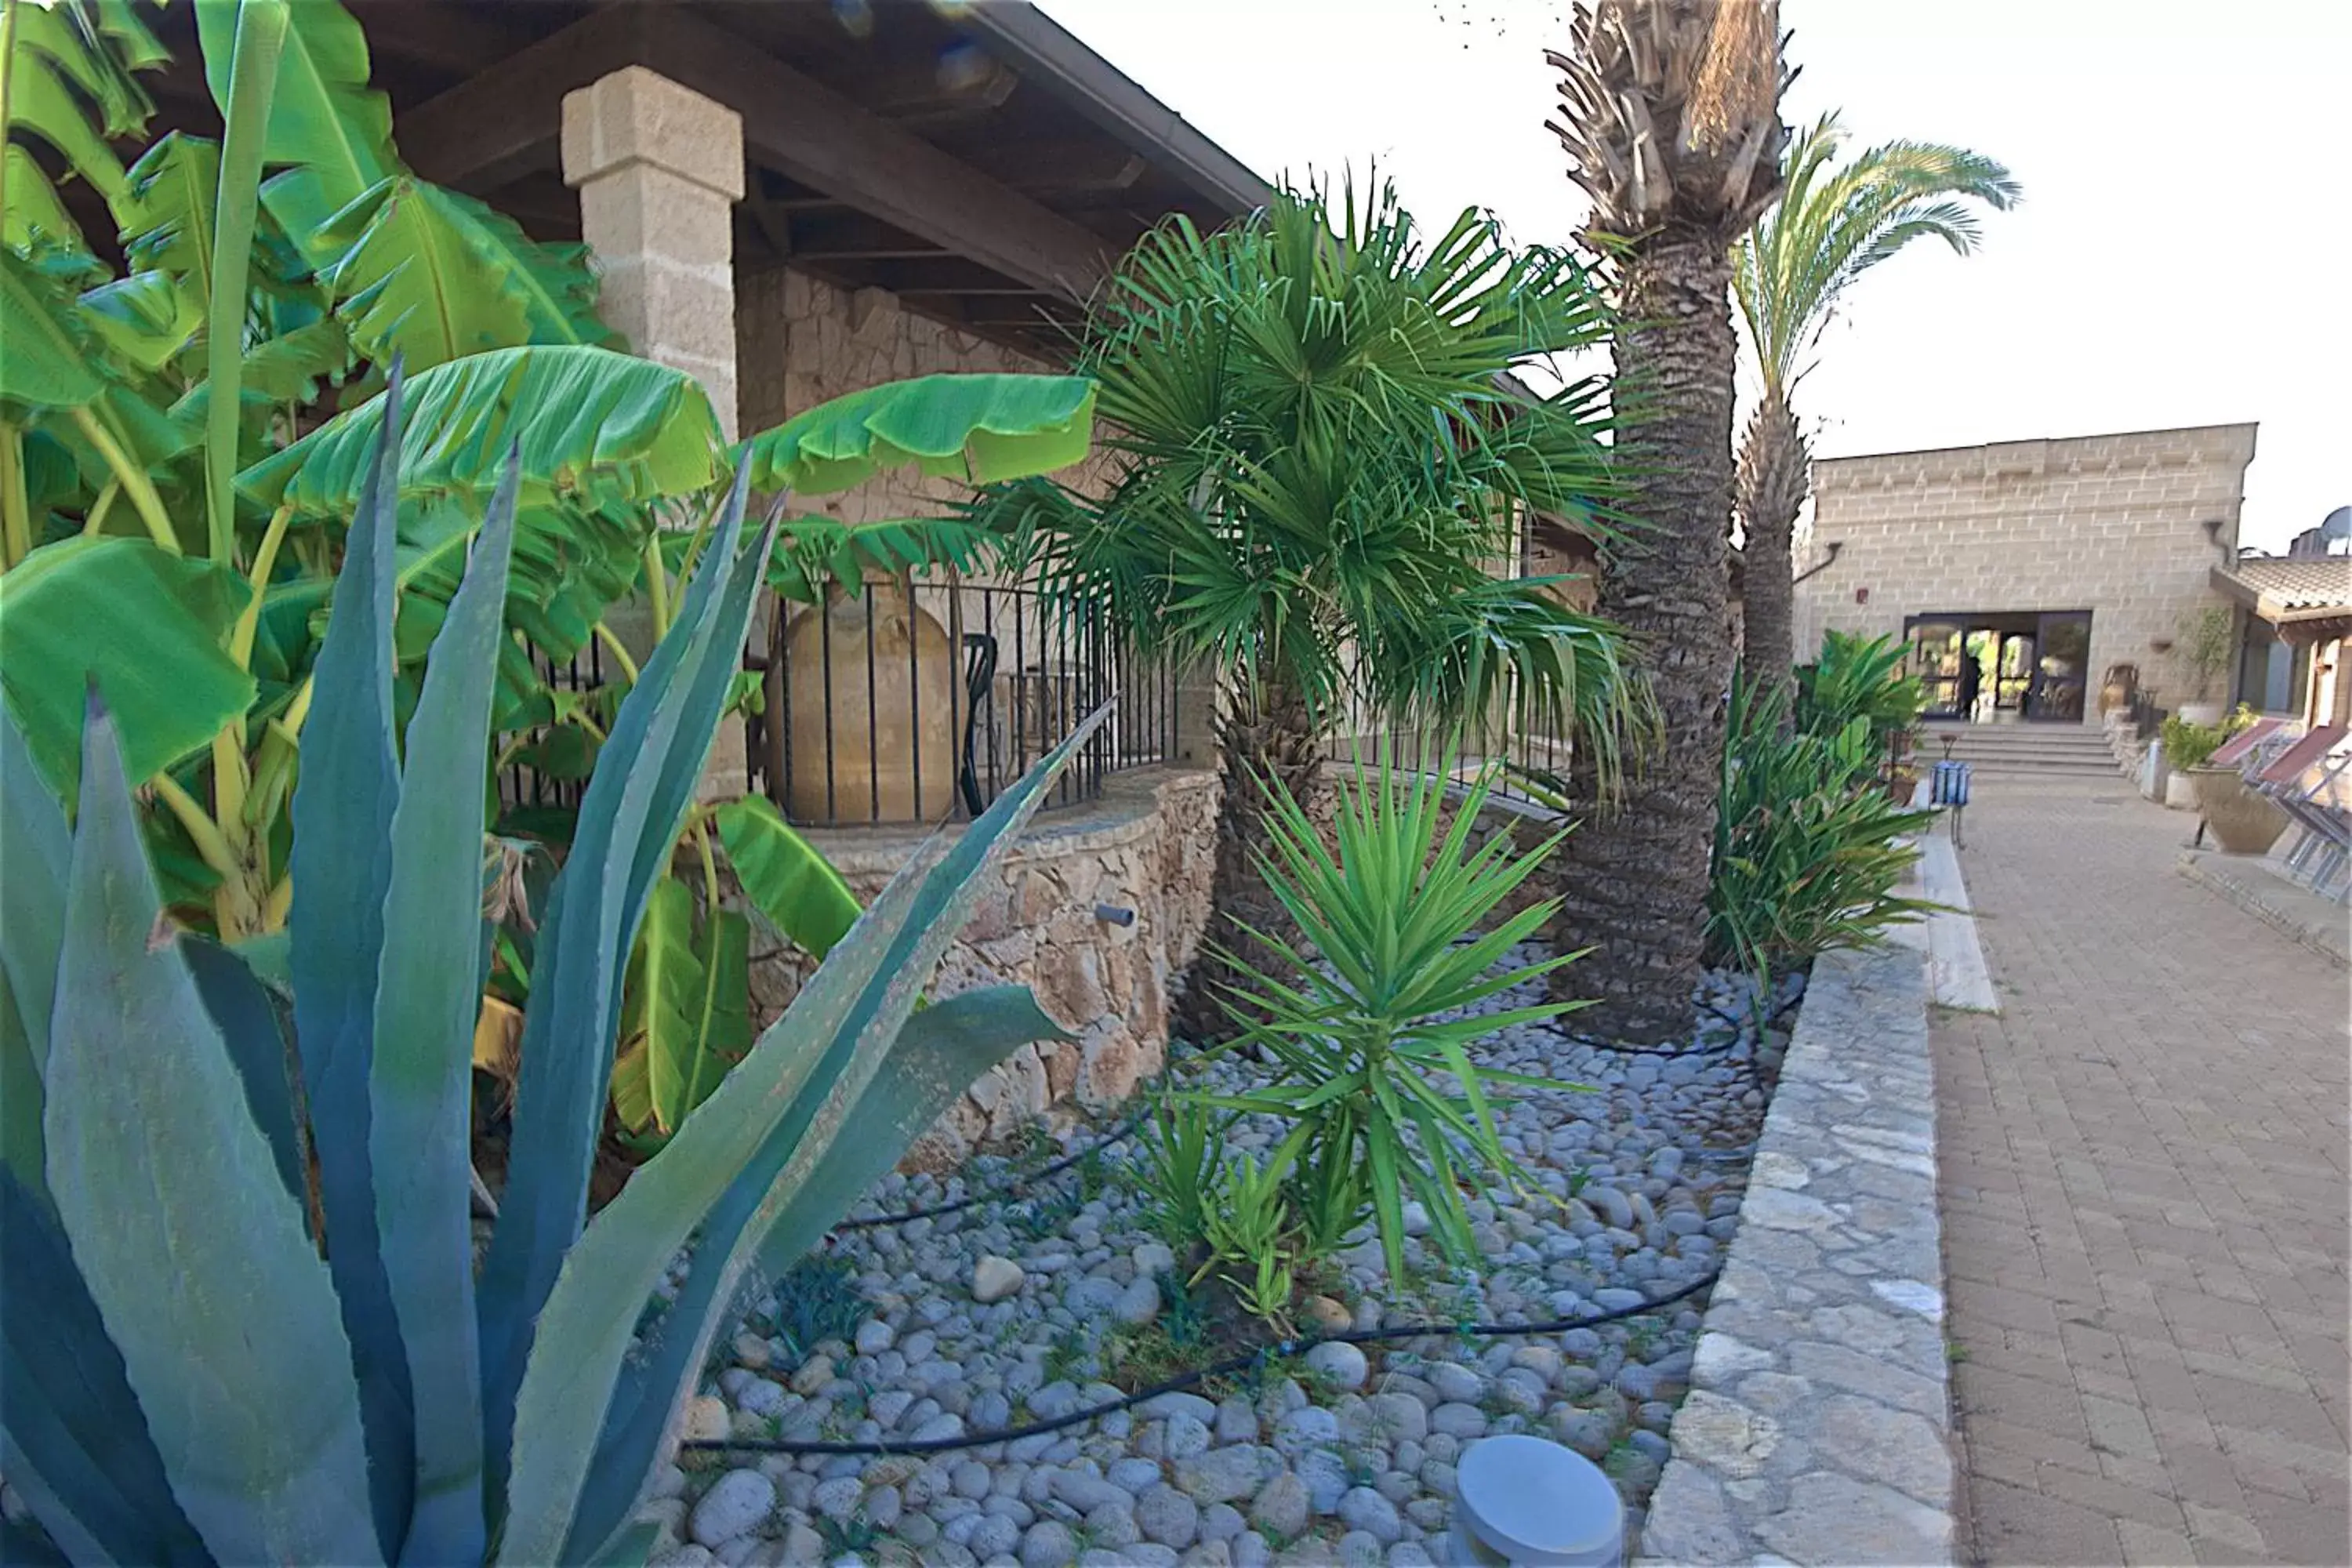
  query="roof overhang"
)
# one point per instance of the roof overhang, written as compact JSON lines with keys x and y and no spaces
{"x":977,"y":162}
{"x":2272,"y":607}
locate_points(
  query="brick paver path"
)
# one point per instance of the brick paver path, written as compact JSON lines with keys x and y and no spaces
{"x":2144,"y":1203}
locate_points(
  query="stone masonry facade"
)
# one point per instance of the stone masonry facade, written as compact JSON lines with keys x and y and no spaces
{"x":1146,"y":846}
{"x":2114,"y":524}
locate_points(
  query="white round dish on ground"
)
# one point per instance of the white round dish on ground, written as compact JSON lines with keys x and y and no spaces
{"x":1533,"y":1504}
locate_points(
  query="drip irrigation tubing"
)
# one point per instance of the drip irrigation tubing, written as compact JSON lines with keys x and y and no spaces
{"x":1184,"y":1381}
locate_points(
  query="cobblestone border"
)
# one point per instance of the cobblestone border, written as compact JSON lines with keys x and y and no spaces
{"x":1818,"y":1427}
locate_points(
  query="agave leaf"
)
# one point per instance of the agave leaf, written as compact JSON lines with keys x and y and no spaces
{"x":428,"y":993}
{"x":794,"y":887}
{"x":732,"y":1170}
{"x":342,"y":816}
{"x":146,"y":625}
{"x":38,"y":850}
{"x":628,"y":820}
{"x":197,"y":1259}
{"x":322,"y":116}
{"x":980,"y":428}
{"x":594,"y":426}
{"x":248,"y":1020}
{"x":72,"y":1424}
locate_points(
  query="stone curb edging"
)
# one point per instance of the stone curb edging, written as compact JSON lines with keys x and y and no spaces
{"x":1818,"y":1427}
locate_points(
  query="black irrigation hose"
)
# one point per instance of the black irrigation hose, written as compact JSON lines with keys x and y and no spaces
{"x":1183,"y":1381}
{"x":874,"y":1222}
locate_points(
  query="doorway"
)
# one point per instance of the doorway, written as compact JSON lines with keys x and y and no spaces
{"x":2030,"y":665}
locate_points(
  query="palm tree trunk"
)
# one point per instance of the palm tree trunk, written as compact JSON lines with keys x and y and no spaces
{"x":1636,"y":889}
{"x":1277,"y":740}
{"x":1772,"y":481}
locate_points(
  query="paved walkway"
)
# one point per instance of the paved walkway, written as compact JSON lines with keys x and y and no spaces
{"x":2145,"y":1203}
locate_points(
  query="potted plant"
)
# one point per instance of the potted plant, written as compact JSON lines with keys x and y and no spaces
{"x":2203,"y":651}
{"x":2243,"y":820}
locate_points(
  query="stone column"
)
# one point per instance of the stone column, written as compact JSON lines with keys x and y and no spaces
{"x":659,"y":169}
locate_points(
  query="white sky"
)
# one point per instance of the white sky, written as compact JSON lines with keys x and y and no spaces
{"x":2183,"y":255}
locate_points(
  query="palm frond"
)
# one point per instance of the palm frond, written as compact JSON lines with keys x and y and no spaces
{"x":1836,"y":222}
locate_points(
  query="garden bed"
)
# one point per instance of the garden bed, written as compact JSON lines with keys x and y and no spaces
{"x":1045,"y":1296}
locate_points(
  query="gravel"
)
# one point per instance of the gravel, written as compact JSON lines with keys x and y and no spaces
{"x":1016,"y":1309}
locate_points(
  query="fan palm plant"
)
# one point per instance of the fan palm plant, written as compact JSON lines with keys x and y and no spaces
{"x":1789,"y":273}
{"x":1320,"y":456}
{"x":1670,"y":117}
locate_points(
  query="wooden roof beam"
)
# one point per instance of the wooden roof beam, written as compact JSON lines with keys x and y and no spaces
{"x":814,"y":135}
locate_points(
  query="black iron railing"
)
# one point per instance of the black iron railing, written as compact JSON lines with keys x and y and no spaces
{"x":924,"y":704}
{"x":1534,"y":762}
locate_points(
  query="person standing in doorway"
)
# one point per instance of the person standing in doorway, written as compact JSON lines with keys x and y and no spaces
{"x":1971,"y":682}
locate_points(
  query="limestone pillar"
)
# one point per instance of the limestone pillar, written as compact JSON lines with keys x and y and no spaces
{"x":659,"y":169}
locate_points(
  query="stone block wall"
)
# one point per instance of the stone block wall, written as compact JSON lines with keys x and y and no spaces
{"x":1149,"y":846}
{"x":2112,"y":525}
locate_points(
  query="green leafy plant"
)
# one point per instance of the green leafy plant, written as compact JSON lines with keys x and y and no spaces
{"x":1319,"y":456}
{"x":1401,"y":920}
{"x":1253,"y":1237}
{"x":1859,"y":677}
{"x":1808,"y":850}
{"x":2188,"y":744}
{"x":817,"y":1298}
{"x":2206,"y":646}
{"x":188,"y":1379}
{"x":1179,"y":1159}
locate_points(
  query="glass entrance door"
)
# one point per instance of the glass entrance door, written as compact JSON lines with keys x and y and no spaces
{"x":2062,"y":671}
{"x":1936,"y":660}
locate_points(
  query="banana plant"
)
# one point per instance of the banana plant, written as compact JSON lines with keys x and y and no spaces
{"x":199,"y":1367}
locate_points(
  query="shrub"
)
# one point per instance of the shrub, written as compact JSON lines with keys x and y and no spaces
{"x":189,"y":1379}
{"x":1357,"y":1038}
{"x":2189,"y":744}
{"x":1807,"y":855}
{"x":1858,"y":678}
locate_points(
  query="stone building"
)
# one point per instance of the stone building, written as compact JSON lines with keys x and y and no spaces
{"x":2058,"y":562}
{"x":795,"y":202}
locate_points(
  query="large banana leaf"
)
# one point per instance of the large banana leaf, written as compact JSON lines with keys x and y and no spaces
{"x":195,"y":1254}
{"x":434,"y":274}
{"x":48,"y":364}
{"x":323,"y":116}
{"x":981,"y":428}
{"x":794,"y":887}
{"x":172,"y":189}
{"x":659,"y":1015}
{"x":769,"y":1140}
{"x":70,"y":83}
{"x":34,"y":209}
{"x":146,"y":627}
{"x":820,"y":550}
{"x":146,"y":318}
{"x":594,"y":428}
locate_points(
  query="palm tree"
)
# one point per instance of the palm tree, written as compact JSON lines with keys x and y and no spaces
{"x":1670,"y":118}
{"x":1789,"y":273}
{"x":1320,"y":455}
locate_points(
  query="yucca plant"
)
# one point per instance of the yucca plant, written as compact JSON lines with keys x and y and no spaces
{"x":1398,"y":924}
{"x":185,"y":1380}
{"x":1809,"y":850}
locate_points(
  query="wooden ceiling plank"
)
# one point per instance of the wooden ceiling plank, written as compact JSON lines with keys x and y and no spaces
{"x":826,"y":142}
{"x":509,"y":118}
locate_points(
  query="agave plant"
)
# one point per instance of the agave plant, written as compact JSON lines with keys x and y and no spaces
{"x":183,"y":1377}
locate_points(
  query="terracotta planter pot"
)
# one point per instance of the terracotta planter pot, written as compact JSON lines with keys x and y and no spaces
{"x":2243,"y":822}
